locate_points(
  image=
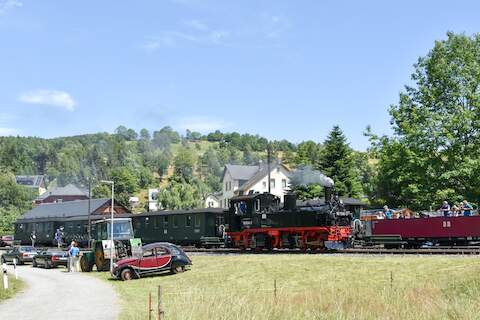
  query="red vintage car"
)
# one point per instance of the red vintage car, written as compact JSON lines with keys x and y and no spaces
{"x":155,"y":258}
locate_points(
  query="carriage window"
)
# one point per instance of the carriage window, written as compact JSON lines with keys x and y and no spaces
{"x":165,"y":222}
{"x":138,"y":224}
{"x":175,"y":221}
{"x":197,"y":220}
{"x":188,"y":221}
{"x":162,"y":252}
{"x":147,"y":222}
{"x":79,"y":227}
{"x":156,"y":222}
{"x":257,"y":205}
{"x":149,"y":253}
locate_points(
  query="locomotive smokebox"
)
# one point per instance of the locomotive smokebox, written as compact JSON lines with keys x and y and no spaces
{"x":290,"y":202}
{"x":328,"y":194}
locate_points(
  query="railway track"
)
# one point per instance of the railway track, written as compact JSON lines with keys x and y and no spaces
{"x":365,"y":250}
{"x":422,"y":251}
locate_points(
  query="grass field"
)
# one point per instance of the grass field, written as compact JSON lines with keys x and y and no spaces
{"x":14,"y":287}
{"x":312,"y":287}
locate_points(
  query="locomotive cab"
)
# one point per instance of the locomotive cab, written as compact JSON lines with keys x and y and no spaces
{"x":250,"y":211}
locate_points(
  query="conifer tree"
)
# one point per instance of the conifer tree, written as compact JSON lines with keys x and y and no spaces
{"x":337,"y":162}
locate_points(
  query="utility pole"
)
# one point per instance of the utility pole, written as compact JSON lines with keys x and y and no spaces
{"x":269,"y":156}
{"x":89,"y":228}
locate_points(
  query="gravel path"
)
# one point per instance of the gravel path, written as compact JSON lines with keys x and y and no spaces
{"x":56,"y":294}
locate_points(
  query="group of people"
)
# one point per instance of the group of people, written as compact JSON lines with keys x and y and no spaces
{"x":463,"y":209}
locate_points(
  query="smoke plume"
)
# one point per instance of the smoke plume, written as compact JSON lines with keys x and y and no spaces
{"x":306,"y":175}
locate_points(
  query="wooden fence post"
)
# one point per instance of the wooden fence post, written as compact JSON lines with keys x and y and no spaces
{"x":159,"y":305}
{"x":391,"y":279}
{"x":275,"y":289}
{"x":149,"y":306}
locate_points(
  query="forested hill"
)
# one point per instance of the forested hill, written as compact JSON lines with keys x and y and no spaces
{"x":186,"y":167}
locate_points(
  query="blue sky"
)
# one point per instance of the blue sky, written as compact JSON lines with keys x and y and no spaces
{"x":282,"y":69}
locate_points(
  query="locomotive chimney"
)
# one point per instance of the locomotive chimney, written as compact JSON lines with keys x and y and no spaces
{"x":328,"y":194}
{"x":289,"y":202}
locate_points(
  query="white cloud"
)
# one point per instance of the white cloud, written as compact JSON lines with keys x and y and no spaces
{"x":7,"y":5}
{"x":276,"y":26}
{"x":8,"y":132}
{"x":193,"y":31}
{"x":54,"y":98}
{"x":197,"y":25}
{"x":202,"y":124}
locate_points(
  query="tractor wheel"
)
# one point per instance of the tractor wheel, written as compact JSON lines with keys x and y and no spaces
{"x":85,"y":266}
{"x":126,"y":274}
{"x":100,"y":260}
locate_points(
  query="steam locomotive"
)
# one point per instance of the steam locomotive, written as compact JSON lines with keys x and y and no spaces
{"x":258,"y":221}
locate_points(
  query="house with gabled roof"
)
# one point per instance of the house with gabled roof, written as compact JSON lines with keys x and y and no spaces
{"x":36,"y":183}
{"x":69,"y":192}
{"x":241,"y":179}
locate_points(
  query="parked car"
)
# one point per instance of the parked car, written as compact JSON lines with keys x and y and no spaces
{"x":6,"y":241}
{"x":51,"y":258}
{"x":22,"y":254}
{"x":155,"y":258}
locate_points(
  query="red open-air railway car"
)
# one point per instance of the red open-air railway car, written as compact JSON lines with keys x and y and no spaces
{"x":417,"y":231}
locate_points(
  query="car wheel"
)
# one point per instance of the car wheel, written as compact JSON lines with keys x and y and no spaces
{"x":126,"y":274}
{"x":20,"y":261}
{"x":4,"y":260}
{"x":34,"y":263}
{"x":48,"y":265}
{"x":178,"y":269}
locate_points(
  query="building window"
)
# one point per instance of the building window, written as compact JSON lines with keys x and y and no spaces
{"x":188,"y":221}
{"x":278,"y":169}
{"x":284,"y":183}
{"x":226,"y":186}
{"x":197,"y":220}
{"x":264,"y":184}
{"x":272,"y":183}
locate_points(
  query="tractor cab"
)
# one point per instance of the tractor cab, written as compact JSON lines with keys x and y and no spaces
{"x":103,"y":250}
{"x":122,"y":229}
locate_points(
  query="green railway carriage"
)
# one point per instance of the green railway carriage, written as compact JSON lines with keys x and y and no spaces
{"x":200,"y":227}
{"x":45,"y":219}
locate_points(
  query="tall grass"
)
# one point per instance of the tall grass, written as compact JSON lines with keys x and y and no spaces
{"x":312,"y":287}
{"x":14,"y":286}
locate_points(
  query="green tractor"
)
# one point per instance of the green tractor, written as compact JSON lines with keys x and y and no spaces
{"x":101,"y":248}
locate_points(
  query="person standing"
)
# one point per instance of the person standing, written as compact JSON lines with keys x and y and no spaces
{"x":59,"y":237}
{"x":388,"y":212}
{"x":33,"y":238}
{"x":73,"y":254}
{"x":445,"y":209}
{"x":467,"y":208}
